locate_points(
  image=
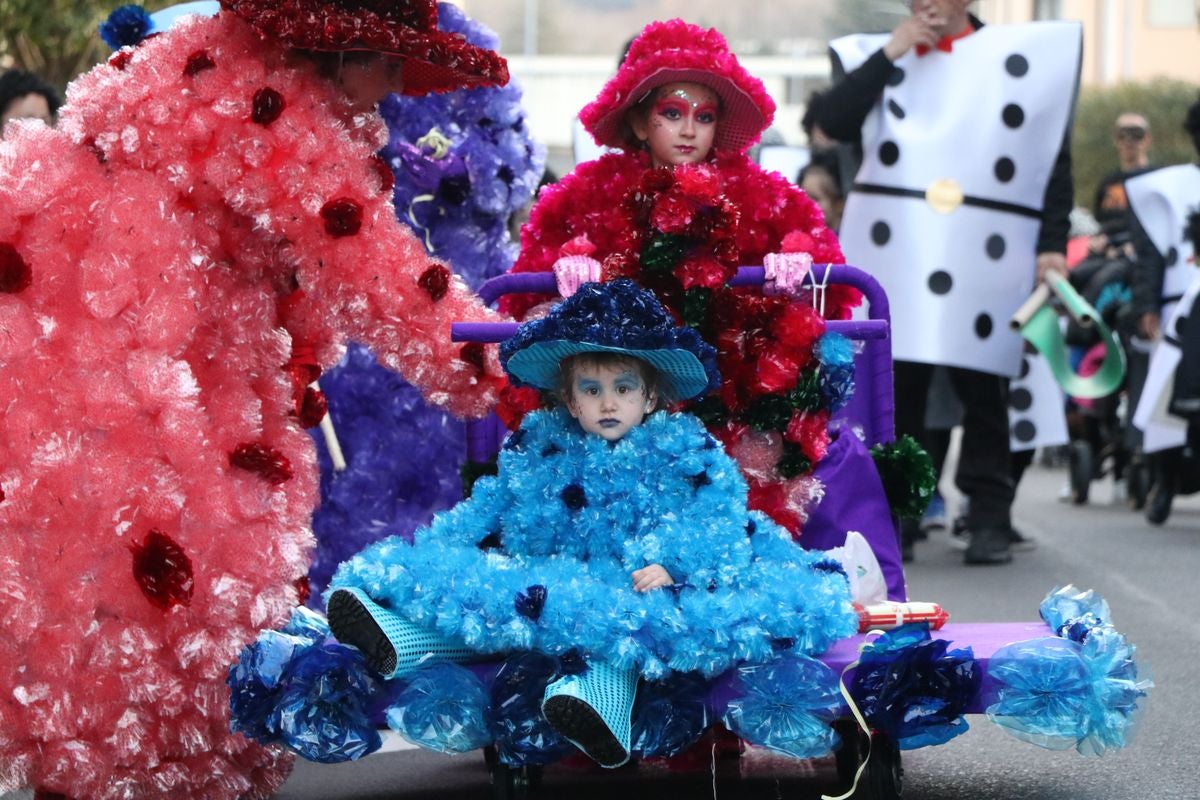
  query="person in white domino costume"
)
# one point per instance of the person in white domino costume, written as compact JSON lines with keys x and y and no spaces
{"x":961,"y":204}
{"x":1166,"y":217}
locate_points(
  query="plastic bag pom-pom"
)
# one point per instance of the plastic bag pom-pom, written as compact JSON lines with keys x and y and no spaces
{"x":1058,"y":694}
{"x":906,"y":471}
{"x":307,"y":624}
{"x":670,"y":715}
{"x":521,"y":732}
{"x":835,"y":350}
{"x":323,"y":712}
{"x":1072,"y":613}
{"x":909,"y":686}
{"x":125,"y":26}
{"x":443,"y":708}
{"x":255,"y":680}
{"x":786,"y":705}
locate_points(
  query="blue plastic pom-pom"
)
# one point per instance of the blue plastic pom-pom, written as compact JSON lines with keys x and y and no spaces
{"x":786,"y":705}
{"x":443,"y":708}
{"x":125,"y":26}
{"x":521,"y":732}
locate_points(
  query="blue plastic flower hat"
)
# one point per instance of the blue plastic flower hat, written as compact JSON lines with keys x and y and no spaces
{"x":613,"y":317}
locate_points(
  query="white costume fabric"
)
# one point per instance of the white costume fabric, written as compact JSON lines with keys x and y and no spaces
{"x":946,"y":209}
{"x":1161,"y":200}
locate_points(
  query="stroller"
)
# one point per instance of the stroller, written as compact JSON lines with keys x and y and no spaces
{"x":882,"y":692}
{"x":1101,"y":439}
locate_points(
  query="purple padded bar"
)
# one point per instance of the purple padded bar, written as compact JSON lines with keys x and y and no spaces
{"x":873,"y":409}
{"x":984,"y":639}
{"x":492,"y":332}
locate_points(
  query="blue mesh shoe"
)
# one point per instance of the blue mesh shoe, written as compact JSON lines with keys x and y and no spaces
{"x":393,"y":646}
{"x":593,"y":710}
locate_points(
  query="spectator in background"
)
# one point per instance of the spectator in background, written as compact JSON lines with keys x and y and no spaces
{"x":1131,"y":137}
{"x":24,"y":95}
{"x":820,"y":180}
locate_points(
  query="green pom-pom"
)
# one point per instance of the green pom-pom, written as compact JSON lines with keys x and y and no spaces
{"x":793,"y":463}
{"x":907,"y":474}
{"x":770,"y":412}
{"x":474,"y":470}
{"x":710,"y":410}
{"x":663,"y":251}
{"x":694,"y":311}
{"x":807,"y":394}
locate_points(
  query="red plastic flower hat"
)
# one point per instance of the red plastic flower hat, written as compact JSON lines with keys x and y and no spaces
{"x":675,"y":51}
{"x":434,"y":61}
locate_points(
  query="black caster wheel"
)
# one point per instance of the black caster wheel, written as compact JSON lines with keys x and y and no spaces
{"x":515,"y":783}
{"x":1082,"y":468}
{"x":883,"y":777}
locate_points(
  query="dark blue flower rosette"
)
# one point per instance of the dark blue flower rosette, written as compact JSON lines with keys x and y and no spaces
{"x":617,"y":316}
{"x":125,"y":26}
{"x":294,"y":687}
{"x":914,"y":688}
{"x":669,"y":716}
{"x":1078,"y":690}
{"x":836,"y":375}
{"x":522,"y":735}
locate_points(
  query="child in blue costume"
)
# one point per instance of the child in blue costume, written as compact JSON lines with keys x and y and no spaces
{"x":614,"y":530}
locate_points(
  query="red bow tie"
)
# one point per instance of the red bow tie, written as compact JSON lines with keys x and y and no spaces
{"x":946,"y":43}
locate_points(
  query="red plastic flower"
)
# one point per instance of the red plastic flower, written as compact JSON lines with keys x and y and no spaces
{"x":387,"y":178}
{"x":435,"y":281}
{"x":15,"y":275}
{"x":702,"y":271}
{"x":776,"y":372}
{"x":343,"y":217}
{"x":120,"y":59}
{"x":267,"y":105}
{"x":162,"y":570}
{"x":266,"y":461}
{"x":199,"y":61}
{"x":313,"y":407}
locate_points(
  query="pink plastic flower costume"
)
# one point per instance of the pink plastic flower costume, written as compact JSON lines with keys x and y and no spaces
{"x":207,"y":194}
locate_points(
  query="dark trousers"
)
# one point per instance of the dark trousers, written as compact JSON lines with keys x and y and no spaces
{"x":984,"y":463}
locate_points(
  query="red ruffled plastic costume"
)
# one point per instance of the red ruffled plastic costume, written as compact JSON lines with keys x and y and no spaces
{"x":682,"y":232}
{"x":204,"y":230}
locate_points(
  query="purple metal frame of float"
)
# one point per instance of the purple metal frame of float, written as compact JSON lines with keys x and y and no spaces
{"x":871,"y":407}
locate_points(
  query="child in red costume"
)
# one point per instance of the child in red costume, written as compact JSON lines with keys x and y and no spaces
{"x":678,"y":208}
{"x":203,"y":232}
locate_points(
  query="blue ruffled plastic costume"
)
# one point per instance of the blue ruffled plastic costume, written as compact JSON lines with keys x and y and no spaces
{"x":540,"y":556}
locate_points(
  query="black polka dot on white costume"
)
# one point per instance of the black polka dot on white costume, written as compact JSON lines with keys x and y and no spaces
{"x":881,"y":233}
{"x":1172,"y":257}
{"x":889,"y":153}
{"x":896,"y":76}
{"x":1016,"y":65}
{"x":1021,"y":399}
{"x":995,"y":247}
{"x":895,"y":108}
{"x":1005,"y":169}
{"x":1013,"y":115}
{"x":983,"y":326}
{"x":941,"y":282}
{"x":1024,"y":430}
{"x":1025,"y":367}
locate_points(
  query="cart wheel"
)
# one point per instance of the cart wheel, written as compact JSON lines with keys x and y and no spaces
{"x":1081,"y":469}
{"x":490,"y":757}
{"x":850,"y":750}
{"x":515,"y":783}
{"x":882,"y":779}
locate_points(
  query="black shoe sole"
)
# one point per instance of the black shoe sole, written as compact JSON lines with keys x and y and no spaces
{"x":1000,"y":557}
{"x":576,"y":720}
{"x":351,"y":623}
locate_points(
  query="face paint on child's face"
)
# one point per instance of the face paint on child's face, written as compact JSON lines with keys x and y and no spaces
{"x":608,"y":400}
{"x":681,"y":124}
